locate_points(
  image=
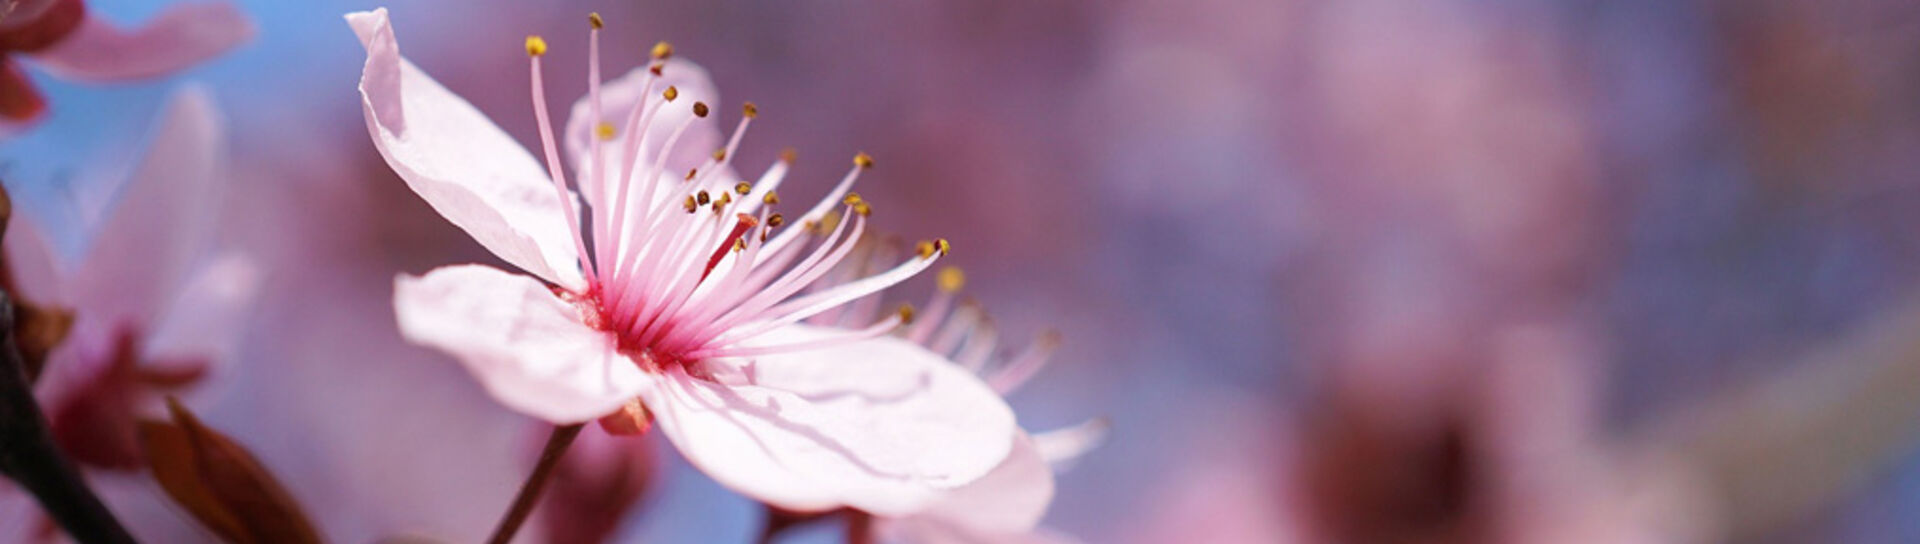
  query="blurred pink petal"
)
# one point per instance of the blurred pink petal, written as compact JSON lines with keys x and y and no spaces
{"x":161,"y":222}
{"x":463,"y":165}
{"x":881,"y":425}
{"x":199,"y":325}
{"x":178,"y":38}
{"x":151,"y":313}
{"x":528,"y":347}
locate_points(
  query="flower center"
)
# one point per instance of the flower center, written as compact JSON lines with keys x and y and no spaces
{"x":688,"y":267}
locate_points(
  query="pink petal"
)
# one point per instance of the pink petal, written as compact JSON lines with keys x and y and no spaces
{"x":880,"y":425}
{"x":161,"y":222}
{"x":469,"y":170}
{"x":527,"y":347}
{"x":1011,"y":499}
{"x":31,"y":259}
{"x":180,"y":37}
{"x":617,"y":99}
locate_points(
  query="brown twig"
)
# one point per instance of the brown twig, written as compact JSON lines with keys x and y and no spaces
{"x":29,"y":457}
{"x":524,"y":502}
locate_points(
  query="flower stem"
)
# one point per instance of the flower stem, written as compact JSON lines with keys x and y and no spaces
{"x":28,"y":455}
{"x":523,"y":503}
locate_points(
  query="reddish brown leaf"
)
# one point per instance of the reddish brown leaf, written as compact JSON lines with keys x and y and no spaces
{"x":221,"y":484}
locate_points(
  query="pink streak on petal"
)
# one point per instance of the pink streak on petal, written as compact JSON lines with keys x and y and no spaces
{"x":527,"y":347}
{"x":178,"y":38}
{"x":161,"y":222}
{"x":463,"y":165}
{"x":881,"y":425}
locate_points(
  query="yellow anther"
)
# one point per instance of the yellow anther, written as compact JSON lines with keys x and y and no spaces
{"x":924,"y":249}
{"x":788,"y":155}
{"x":691,"y":172}
{"x":743,"y":188}
{"x":951,"y":279}
{"x":739,"y":245}
{"x":594,"y":19}
{"x":776,"y":220}
{"x":690,"y":205}
{"x":719,"y":155}
{"x":703,"y":198}
{"x":942,"y":245}
{"x":671,"y":93}
{"x":862,"y":208}
{"x":828,"y":222}
{"x":655,"y":69}
{"x":863,"y":160}
{"x":725,"y":198}
{"x":662,"y":50}
{"x":851,"y":199}
{"x":536,"y":46}
{"x":906,"y":314}
{"x":771,"y":198}
{"x":604,"y":130}
{"x":750,"y":110}
{"x":699,"y":109}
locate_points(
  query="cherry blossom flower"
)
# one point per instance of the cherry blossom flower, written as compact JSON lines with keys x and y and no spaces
{"x":64,"y":39}
{"x":153,"y":309}
{"x":685,"y":309}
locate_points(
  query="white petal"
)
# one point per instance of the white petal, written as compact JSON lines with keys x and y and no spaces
{"x":530,"y":349}
{"x":469,"y":170}
{"x":880,"y":425}
{"x":1011,"y":499}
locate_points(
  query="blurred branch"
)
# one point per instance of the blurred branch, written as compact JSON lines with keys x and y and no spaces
{"x":28,"y":456}
{"x":1775,"y":452}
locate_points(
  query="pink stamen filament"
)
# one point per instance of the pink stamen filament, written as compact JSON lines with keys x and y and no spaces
{"x":882,"y":328}
{"x":979,"y":347}
{"x":936,"y":309}
{"x":797,"y":309}
{"x":819,"y":210}
{"x":553,"y":169}
{"x":830,"y":251}
{"x":1022,"y":367}
{"x":964,"y":320}
{"x":596,"y":161}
